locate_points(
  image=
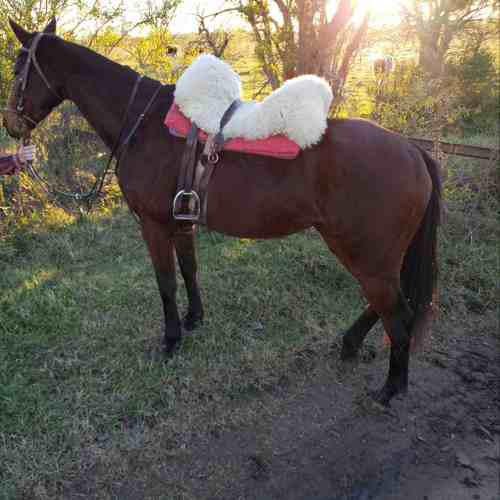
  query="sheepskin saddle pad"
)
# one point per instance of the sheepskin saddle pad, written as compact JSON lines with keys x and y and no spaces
{"x":277,"y":146}
{"x":297,"y":110}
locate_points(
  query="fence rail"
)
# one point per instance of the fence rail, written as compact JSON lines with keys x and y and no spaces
{"x":458,"y":149}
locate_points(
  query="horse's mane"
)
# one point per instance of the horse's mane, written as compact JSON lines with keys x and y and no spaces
{"x":100,"y":62}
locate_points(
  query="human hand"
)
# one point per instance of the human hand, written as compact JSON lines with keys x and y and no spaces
{"x":26,"y":153}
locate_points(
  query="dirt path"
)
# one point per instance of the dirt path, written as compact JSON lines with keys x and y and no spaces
{"x":322,"y":439}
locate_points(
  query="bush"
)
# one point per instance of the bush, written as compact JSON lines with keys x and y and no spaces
{"x":476,"y":85}
{"x":409,"y":102}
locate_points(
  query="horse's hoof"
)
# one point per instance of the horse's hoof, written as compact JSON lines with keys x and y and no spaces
{"x":384,"y":396}
{"x":348,"y":353}
{"x":191,"y":321}
{"x":170,"y":346}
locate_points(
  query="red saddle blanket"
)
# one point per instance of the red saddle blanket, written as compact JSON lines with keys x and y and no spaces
{"x":278,"y":146}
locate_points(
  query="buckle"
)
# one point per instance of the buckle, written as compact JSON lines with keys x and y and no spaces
{"x":191,"y":201}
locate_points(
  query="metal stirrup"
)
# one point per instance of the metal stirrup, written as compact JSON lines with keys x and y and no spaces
{"x":185,"y":192}
{"x":194,"y":212}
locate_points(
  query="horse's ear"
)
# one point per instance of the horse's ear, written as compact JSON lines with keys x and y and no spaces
{"x":51,"y":27}
{"x":21,"y":34}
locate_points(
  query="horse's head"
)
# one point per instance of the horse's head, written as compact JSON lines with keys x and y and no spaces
{"x":34,"y":92}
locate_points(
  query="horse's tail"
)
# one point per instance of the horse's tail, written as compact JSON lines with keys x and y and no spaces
{"x":420,"y":267}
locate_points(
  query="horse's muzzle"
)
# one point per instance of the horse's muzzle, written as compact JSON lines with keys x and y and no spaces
{"x":16,"y":127}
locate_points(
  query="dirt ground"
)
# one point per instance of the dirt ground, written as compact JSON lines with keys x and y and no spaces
{"x":322,"y":438}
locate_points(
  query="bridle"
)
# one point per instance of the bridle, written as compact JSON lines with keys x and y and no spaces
{"x":23,"y":78}
{"x":120,"y":145}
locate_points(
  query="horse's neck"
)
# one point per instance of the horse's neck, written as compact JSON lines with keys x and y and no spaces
{"x":100,"y":89}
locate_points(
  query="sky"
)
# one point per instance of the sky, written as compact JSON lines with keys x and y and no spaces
{"x":185,"y":20}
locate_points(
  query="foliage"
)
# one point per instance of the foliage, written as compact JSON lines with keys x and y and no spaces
{"x":69,"y":154}
{"x":83,"y":20}
{"x":304,"y":39}
{"x":464,"y":98}
{"x":476,"y":89}
{"x":148,"y":55}
{"x":409,"y":102}
{"x":35,"y":14}
{"x":470,"y":233}
{"x":436,"y":23}
{"x":215,"y":41}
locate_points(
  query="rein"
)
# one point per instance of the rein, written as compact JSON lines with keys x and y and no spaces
{"x":118,"y":148}
{"x":117,"y":151}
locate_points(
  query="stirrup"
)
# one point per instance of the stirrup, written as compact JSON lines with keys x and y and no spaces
{"x":194,"y":214}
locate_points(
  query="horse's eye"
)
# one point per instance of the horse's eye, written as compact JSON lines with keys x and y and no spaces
{"x":18,"y":66}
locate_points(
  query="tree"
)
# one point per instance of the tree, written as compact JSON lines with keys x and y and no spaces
{"x":82,"y":20}
{"x":295,"y":37}
{"x":215,"y":41}
{"x":476,"y":88}
{"x":35,"y":14}
{"x":436,"y":23}
{"x":64,"y":140}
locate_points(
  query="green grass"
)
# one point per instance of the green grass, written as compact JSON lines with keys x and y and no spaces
{"x":80,"y":313}
{"x":469,"y":240}
{"x":80,"y":321}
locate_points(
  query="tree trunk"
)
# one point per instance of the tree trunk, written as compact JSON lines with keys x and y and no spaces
{"x":430,"y":59}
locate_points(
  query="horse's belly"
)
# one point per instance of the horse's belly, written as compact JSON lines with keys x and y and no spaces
{"x":241,"y":228}
{"x":260,"y":207}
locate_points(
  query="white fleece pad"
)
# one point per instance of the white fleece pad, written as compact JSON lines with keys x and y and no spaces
{"x":298,"y":109}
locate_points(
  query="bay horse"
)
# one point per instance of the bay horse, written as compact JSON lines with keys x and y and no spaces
{"x":373,"y":196}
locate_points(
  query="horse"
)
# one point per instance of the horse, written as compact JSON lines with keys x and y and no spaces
{"x":383,"y":65}
{"x":373,"y":196}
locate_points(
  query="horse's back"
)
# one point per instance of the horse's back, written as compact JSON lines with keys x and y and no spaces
{"x":358,"y":136}
{"x":362,"y":150}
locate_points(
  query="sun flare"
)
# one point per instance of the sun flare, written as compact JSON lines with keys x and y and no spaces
{"x":381,"y":11}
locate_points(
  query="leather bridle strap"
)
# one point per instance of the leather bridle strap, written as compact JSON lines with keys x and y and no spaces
{"x":141,"y":117}
{"x":26,"y":70}
{"x":19,"y":109}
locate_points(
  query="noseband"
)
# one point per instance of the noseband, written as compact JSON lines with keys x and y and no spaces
{"x":24,"y":77}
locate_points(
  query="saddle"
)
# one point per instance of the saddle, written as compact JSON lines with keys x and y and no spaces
{"x":208,"y":107}
{"x":298,"y":109}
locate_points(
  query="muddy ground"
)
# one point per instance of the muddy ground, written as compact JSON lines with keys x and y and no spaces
{"x":322,"y":438}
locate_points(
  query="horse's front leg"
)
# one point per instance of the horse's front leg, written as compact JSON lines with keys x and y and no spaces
{"x":161,"y":248}
{"x":186,"y":255}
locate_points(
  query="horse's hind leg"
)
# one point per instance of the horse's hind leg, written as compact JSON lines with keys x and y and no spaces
{"x":386,"y":298}
{"x":354,"y":337}
{"x":186,"y":255}
{"x":381,"y":286}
